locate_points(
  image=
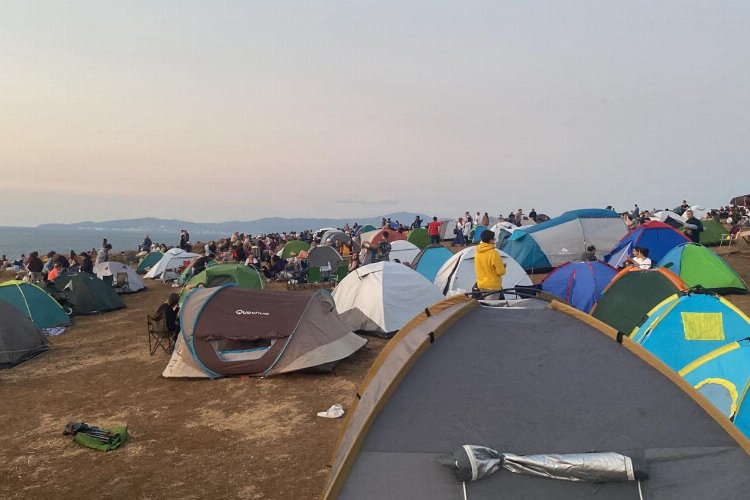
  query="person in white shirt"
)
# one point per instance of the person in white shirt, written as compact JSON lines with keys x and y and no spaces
{"x":640,"y":258}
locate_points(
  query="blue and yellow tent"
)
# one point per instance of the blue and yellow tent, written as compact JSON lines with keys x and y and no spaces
{"x":689,"y":325}
{"x":723,"y":376}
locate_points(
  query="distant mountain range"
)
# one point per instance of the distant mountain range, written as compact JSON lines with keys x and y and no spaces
{"x":265,"y":225}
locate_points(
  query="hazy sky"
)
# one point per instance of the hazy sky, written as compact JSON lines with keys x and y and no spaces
{"x":221,"y":110}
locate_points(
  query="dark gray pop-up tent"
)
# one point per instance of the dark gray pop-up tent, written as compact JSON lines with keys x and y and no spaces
{"x":20,"y":340}
{"x":529,"y":381}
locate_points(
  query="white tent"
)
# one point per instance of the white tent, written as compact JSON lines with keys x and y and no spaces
{"x":381,"y":298}
{"x":457,"y":275}
{"x":404,"y":251}
{"x":698,"y":211}
{"x":503,"y":225}
{"x":446,"y":229}
{"x":113,"y":268}
{"x":169,"y":263}
{"x":669,"y":217}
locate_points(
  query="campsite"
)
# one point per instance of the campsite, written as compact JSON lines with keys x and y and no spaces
{"x":235,"y":437}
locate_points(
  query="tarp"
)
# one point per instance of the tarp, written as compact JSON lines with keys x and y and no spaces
{"x":34,"y":303}
{"x":580,"y":284}
{"x":697,"y":265}
{"x":688,"y":325}
{"x":238,"y":331}
{"x":457,"y":276}
{"x":20,"y":340}
{"x":381,"y":298}
{"x":534,"y":381}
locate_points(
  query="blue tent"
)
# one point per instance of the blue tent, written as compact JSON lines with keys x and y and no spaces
{"x":429,"y":261}
{"x":580,"y":284}
{"x":657,"y":236}
{"x":564,"y":238}
{"x":688,"y":325}
{"x":477,"y":233}
{"x":723,"y":377}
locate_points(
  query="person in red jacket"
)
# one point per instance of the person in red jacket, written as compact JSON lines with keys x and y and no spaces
{"x":433,"y":229}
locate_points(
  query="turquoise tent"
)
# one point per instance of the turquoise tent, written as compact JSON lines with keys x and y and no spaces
{"x":429,"y":261}
{"x":688,"y":325}
{"x":723,"y":377}
{"x":35,"y":303}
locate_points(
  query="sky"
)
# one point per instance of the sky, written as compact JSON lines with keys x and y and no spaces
{"x":211,"y":111}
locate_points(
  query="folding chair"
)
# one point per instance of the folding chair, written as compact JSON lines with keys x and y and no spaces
{"x":314,"y":276}
{"x":158,"y":335}
{"x":341,"y":273}
{"x":121,"y":283}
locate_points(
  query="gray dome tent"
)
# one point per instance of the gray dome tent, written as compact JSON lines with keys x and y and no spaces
{"x":88,"y":294}
{"x":541,"y":381}
{"x":20,"y":340}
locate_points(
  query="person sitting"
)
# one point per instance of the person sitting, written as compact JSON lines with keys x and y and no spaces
{"x":589,"y":254}
{"x":278,"y":265}
{"x":200,"y":263}
{"x":168,"y":312}
{"x":639,"y":259}
{"x":57,"y":269}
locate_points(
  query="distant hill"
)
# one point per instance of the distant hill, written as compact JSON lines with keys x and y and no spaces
{"x":265,"y":225}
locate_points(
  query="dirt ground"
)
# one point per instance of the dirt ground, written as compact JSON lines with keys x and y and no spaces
{"x":232,"y":438}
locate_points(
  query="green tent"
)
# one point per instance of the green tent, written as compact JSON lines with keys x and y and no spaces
{"x":712,"y":231}
{"x":35,"y":303}
{"x":88,"y":294}
{"x":419,"y":237}
{"x":149,"y":261}
{"x":222,"y":274}
{"x":632,"y":294}
{"x":366,"y":228}
{"x":293,"y":248}
{"x":699,"y":266}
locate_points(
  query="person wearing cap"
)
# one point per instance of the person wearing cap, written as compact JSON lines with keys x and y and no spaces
{"x":488,"y":266}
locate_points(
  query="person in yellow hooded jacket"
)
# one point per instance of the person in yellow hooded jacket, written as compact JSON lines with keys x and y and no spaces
{"x":488,"y":265}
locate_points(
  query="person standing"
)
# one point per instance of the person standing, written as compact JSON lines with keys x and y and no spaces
{"x":146,"y":245}
{"x":382,"y":249}
{"x":417,"y":223}
{"x":486,"y":220}
{"x":488,"y":266}
{"x":459,"y":232}
{"x":433,"y":229}
{"x":532,"y":214}
{"x":103,"y":254}
{"x":35,"y":267}
{"x":87,"y":266}
{"x":693,"y":226}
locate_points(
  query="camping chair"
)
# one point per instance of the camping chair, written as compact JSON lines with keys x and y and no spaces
{"x":341,"y":273}
{"x":158,"y":335}
{"x":121,"y":284}
{"x":314,"y":276}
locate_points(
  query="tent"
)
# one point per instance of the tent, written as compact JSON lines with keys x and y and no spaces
{"x":377,"y":235}
{"x":238,"y":331}
{"x":723,"y":377}
{"x":324,"y":256}
{"x":697,"y":265}
{"x":169,"y":263}
{"x":113,"y":268}
{"x":712,"y":231}
{"x":404,"y":251}
{"x":457,"y":275}
{"x":33,"y":302}
{"x":88,"y":294}
{"x":221,"y":274}
{"x":542,"y":381}
{"x":502,"y":231}
{"x":657,"y":236}
{"x":20,"y":340}
{"x":741,"y":201}
{"x":476,"y":233}
{"x":149,"y":261}
{"x":580,"y":284}
{"x":293,"y":248}
{"x":429,"y":260}
{"x":446,"y":229}
{"x":367,"y":228}
{"x":632,"y":293}
{"x":419,"y":237}
{"x":564,"y":238}
{"x":381,"y":298}
{"x":330,"y":237}
{"x":688,"y":325}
